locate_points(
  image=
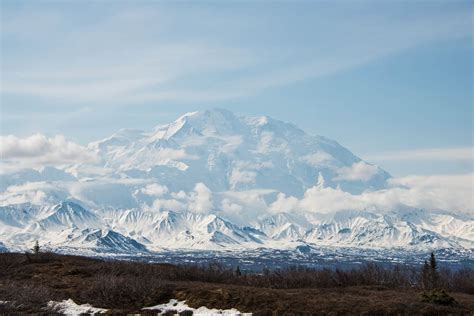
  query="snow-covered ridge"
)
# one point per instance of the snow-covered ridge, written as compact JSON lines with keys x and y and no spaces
{"x":141,"y":231}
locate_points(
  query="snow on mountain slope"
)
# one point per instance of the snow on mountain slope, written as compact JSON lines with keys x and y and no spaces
{"x":182,"y":230}
{"x":373,"y":230}
{"x":284,"y":226}
{"x":227,"y":152}
{"x":67,"y":215}
{"x":18,"y":215}
{"x":213,"y":180}
{"x":103,"y":241}
{"x":137,"y":231}
{"x":13,"y":221}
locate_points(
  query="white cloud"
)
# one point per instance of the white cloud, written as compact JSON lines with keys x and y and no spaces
{"x":229,"y":207}
{"x":442,"y":192}
{"x":37,"y":197}
{"x":33,"y":192}
{"x":450,"y":192}
{"x":325,"y":200}
{"x":40,"y":150}
{"x":242,"y":176}
{"x":168,"y":205}
{"x":160,"y":65}
{"x":155,"y":189}
{"x":284,"y":204}
{"x":252,"y":205}
{"x":180,"y":195}
{"x":100,"y":90}
{"x":429,"y":154}
{"x":201,"y":199}
{"x":359,"y":171}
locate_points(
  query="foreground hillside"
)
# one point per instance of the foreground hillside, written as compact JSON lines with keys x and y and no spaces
{"x":28,"y":282}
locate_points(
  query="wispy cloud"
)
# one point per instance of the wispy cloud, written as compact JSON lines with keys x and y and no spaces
{"x":429,"y":154}
{"x":125,"y":79}
{"x":155,"y":68}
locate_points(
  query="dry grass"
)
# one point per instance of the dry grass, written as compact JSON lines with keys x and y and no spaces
{"x":29,"y":282}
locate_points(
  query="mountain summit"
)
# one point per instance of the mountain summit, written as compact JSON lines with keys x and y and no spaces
{"x":227,"y":152}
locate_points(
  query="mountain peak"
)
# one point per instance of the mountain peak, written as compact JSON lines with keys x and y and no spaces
{"x":214,"y":121}
{"x":229,"y":152}
{"x":208,"y":122}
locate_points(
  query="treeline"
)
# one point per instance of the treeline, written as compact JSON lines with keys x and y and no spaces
{"x":369,"y":274}
{"x":425,"y":277}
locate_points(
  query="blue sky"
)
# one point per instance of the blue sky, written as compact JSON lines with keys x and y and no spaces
{"x":390,"y":80}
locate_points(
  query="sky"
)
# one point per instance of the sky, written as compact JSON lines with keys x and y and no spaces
{"x":390,"y":80}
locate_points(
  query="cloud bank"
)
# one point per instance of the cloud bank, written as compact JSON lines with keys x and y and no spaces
{"x":439,"y":192}
{"x":40,"y":150}
{"x":432,"y":193}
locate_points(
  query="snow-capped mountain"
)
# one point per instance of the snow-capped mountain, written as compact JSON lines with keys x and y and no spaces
{"x":226,"y":152}
{"x":215,"y":181}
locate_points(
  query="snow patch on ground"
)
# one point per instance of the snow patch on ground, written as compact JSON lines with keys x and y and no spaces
{"x":181,"y":306}
{"x":69,"y":307}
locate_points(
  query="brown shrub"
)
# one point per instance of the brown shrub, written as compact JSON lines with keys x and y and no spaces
{"x":26,"y":298}
{"x":125,"y":291}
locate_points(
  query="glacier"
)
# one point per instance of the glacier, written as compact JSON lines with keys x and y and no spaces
{"x":213,"y":180}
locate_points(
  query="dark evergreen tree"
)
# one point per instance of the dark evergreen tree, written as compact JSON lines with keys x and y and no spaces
{"x":36,"y":248}
{"x":434,"y":277}
{"x":436,"y":294}
{"x":433,"y":263}
{"x":238,"y":272}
